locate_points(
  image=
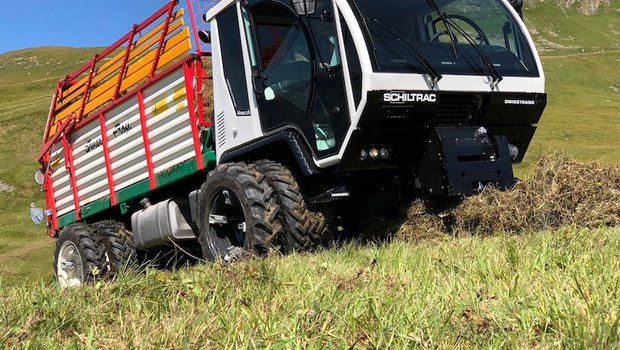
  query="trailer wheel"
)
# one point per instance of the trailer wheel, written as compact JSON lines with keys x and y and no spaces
{"x":79,"y":256}
{"x":119,"y":245}
{"x":239,"y":213}
{"x":303,"y":228}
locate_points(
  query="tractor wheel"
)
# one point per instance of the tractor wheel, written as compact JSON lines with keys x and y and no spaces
{"x":119,"y":245}
{"x":80,"y":256}
{"x":238,"y":213}
{"x":303,"y":228}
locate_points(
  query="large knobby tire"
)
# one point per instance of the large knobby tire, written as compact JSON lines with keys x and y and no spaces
{"x":80,"y":256}
{"x":119,"y":245}
{"x":238,"y":214}
{"x":303,"y":228}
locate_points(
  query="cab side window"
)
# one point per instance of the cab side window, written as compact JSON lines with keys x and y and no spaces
{"x":285,"y":64}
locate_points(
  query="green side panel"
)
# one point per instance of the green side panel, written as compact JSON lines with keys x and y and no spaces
{"x":67,"y":219}
{"x":175,"y":173}
{"x":95,"y":207}
{"x":133,"y":191}
{"x":141,"y":188}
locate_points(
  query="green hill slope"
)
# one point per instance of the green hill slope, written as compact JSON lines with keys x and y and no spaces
{"x":27,"y":81}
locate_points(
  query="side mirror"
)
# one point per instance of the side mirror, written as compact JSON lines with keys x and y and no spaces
{"x":518,"y":6}
{"x":39,"y":177}
{"x":270,"y":95}
{"x":205,"y":36}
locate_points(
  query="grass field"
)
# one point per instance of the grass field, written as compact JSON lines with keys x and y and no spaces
{"x":544,"y":289}
{"x":547,"y":289}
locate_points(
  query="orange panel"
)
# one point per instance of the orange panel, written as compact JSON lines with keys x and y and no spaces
{"x":143,"y":62}
{"x":146,"y":60}
{"x":168,"y":56}
{"x":118,"y":57}
{"x":153,"y":33}
{"x":174,"y":48}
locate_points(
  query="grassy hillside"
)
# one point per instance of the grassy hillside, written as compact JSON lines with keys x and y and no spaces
{"x":27,"y":81}
{"x":542,"y":290}
{"x":539,"y":289}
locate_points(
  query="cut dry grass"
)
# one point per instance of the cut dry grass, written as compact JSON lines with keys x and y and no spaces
{"x":560,"y":192}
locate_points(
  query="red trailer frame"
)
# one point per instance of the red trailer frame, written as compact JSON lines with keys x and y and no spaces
{"x":70,"y":92}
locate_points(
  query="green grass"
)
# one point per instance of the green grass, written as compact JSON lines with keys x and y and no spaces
{"x":545,"y":289}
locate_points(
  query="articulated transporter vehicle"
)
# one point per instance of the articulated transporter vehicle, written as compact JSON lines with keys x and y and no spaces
{"x":284,"y":115}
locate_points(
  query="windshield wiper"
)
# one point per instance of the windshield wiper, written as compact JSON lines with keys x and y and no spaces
{"x":433,"y":74}
{"x":444,"y":19}
{"x":495,"y":75}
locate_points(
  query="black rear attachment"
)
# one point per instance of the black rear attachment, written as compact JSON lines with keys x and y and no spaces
{"x":460,"y":161}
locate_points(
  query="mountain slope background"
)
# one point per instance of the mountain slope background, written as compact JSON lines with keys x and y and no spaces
{"x":579,"y":42}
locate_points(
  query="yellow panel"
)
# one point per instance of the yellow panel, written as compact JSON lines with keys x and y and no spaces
{"x":147,"y":60}
{"x":52,"y":131}
{"x":114,"y":70}
{"x":117,"y":59}
{"x":153,"y":33}
{"x":166,"y":58}
{"x":175,"y":47}
{"x":149,"y":57}
{"x":169,"y":56}
{"x":100,"y":100}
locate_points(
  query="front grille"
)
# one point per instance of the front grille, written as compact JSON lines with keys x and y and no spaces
{"x":457,"y":110}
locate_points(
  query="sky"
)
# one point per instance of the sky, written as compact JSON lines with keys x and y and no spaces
{"x":79,"y":23}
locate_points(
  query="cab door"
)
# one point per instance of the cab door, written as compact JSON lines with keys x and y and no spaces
{"x":297,"y":72}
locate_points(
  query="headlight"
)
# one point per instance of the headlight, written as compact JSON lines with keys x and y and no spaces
{"x":373,"y":153}
{"x":363,"y":155}
{"x":384,"y":153}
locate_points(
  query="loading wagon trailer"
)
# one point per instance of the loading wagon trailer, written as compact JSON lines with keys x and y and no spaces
{"x":321,"y":108}
{"x":130,"y":121}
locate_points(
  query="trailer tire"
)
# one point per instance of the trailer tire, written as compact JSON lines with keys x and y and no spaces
{"x":234,"y":190}
{"x":303,"y":228}
{"x":79,"y":256}
{"x":119,"y":246}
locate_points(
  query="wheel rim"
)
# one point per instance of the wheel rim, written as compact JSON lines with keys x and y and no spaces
{"x":227,"y":225}
{"x":70,"y":268}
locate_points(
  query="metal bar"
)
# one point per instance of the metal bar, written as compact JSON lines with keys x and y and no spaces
{"x":50,"y":115}
{"x":145,"y":138}
{"x":87,"y":87}
{"x":120,"y":41}
{"x":106,"y":155}
{"x":59,"y":133}
{"x":199,"y":76}
{"x":189,"y":87}
{"x":121,"y":73}
{"x":190,"y":8}
{"x":140,"y":87}
{"x":69,"y":166}
{"x":164,"y":33}
{"x":50,"y":201}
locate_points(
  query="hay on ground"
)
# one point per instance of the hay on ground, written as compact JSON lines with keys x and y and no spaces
{"x":561,"y":192}
{"x":5,"y":187}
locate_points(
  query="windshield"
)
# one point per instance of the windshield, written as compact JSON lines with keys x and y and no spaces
{"x":460,"y":39}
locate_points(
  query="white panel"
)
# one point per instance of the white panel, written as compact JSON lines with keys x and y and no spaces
{"x":169,"y":131}
{"x":61,"y":181}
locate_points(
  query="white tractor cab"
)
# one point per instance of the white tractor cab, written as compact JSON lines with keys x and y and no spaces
{"x":440,"y":95}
